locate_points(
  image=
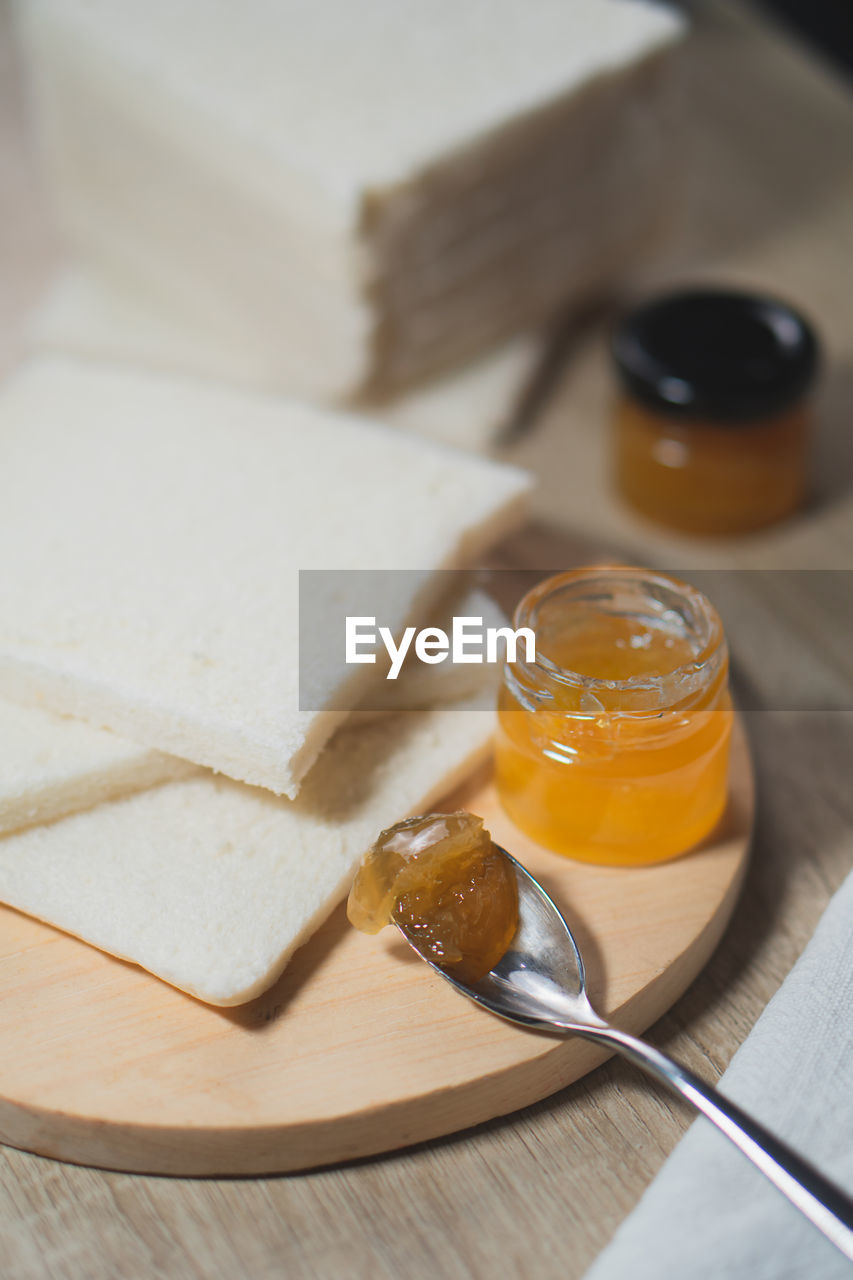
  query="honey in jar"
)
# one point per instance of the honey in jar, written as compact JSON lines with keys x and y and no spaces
{"x":453,"y":893}
{"x":612,"y":745}
{"x":713,"y":427}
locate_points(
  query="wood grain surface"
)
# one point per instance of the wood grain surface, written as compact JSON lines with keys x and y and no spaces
{"x":770,"y":202}
{"x":360,"y":1047}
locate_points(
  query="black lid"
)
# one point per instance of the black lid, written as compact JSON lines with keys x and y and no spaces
{"x":716,"y":354}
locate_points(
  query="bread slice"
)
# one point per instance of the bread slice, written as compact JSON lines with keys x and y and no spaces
{"x":165,"y":523}
{"x":356,"y":195}
{"x":51,"y":765}
{"x":474,"y":406}
{"x":212,"y":885}
{"x":83,"y":315}
{"x":421,"y":687}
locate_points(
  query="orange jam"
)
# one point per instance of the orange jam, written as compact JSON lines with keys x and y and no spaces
{"x":704,"y":478}
{"x":713,"y":429}
{"x":612,"y":747}
{"x":452,"y":892}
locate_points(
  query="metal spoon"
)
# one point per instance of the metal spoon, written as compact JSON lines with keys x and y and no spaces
{"x":540,"y":983}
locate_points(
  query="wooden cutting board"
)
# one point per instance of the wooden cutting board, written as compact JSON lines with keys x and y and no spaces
{"x":359,"y":1048}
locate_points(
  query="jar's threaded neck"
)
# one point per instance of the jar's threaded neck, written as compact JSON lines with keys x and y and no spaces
{"x":680,"y":627}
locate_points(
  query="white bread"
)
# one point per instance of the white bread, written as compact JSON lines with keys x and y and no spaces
{"x":212,"y":885}
{"x":51,"y":765}
{"x":355,"y":194}
{"x":474,"y":406}
{"x":165,"y":523}
{"x":84,"y":315}
{"x":421,"y":686}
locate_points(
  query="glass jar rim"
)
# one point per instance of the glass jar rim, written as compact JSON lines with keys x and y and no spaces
{"x":711,"y":653}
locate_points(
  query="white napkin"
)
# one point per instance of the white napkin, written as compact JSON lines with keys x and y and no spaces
{"x":710,"y":1213}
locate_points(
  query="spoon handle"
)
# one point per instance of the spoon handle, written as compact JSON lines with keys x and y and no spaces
{"x":822,"y":1202}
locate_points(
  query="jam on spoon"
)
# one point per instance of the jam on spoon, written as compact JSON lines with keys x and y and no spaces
{"x":451,"y":891}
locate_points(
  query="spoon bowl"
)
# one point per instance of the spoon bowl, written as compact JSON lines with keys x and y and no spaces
{"x":540,"y":983}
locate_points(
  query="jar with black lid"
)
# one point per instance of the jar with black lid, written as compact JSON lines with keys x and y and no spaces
{"x":713,"y":424}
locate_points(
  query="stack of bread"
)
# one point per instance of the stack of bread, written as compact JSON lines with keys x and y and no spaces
{"x":379,"y":203}
{"x":164,"y":795}
{"x":342,"y":200}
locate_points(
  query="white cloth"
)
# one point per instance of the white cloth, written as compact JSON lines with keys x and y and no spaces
{"x":709,"y":1214}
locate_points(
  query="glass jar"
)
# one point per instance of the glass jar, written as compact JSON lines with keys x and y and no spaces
{"x":612,"y":745}
{"x":713,"y":428}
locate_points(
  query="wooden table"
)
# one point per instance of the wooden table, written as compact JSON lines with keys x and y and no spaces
{"x":769,"y":202}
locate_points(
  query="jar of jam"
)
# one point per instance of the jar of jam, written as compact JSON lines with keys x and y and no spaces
{"x":712,"y":429}
{"x":612,"y":745}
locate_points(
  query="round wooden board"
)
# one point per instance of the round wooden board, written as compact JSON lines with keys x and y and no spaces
{"x":359,"y":1048}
